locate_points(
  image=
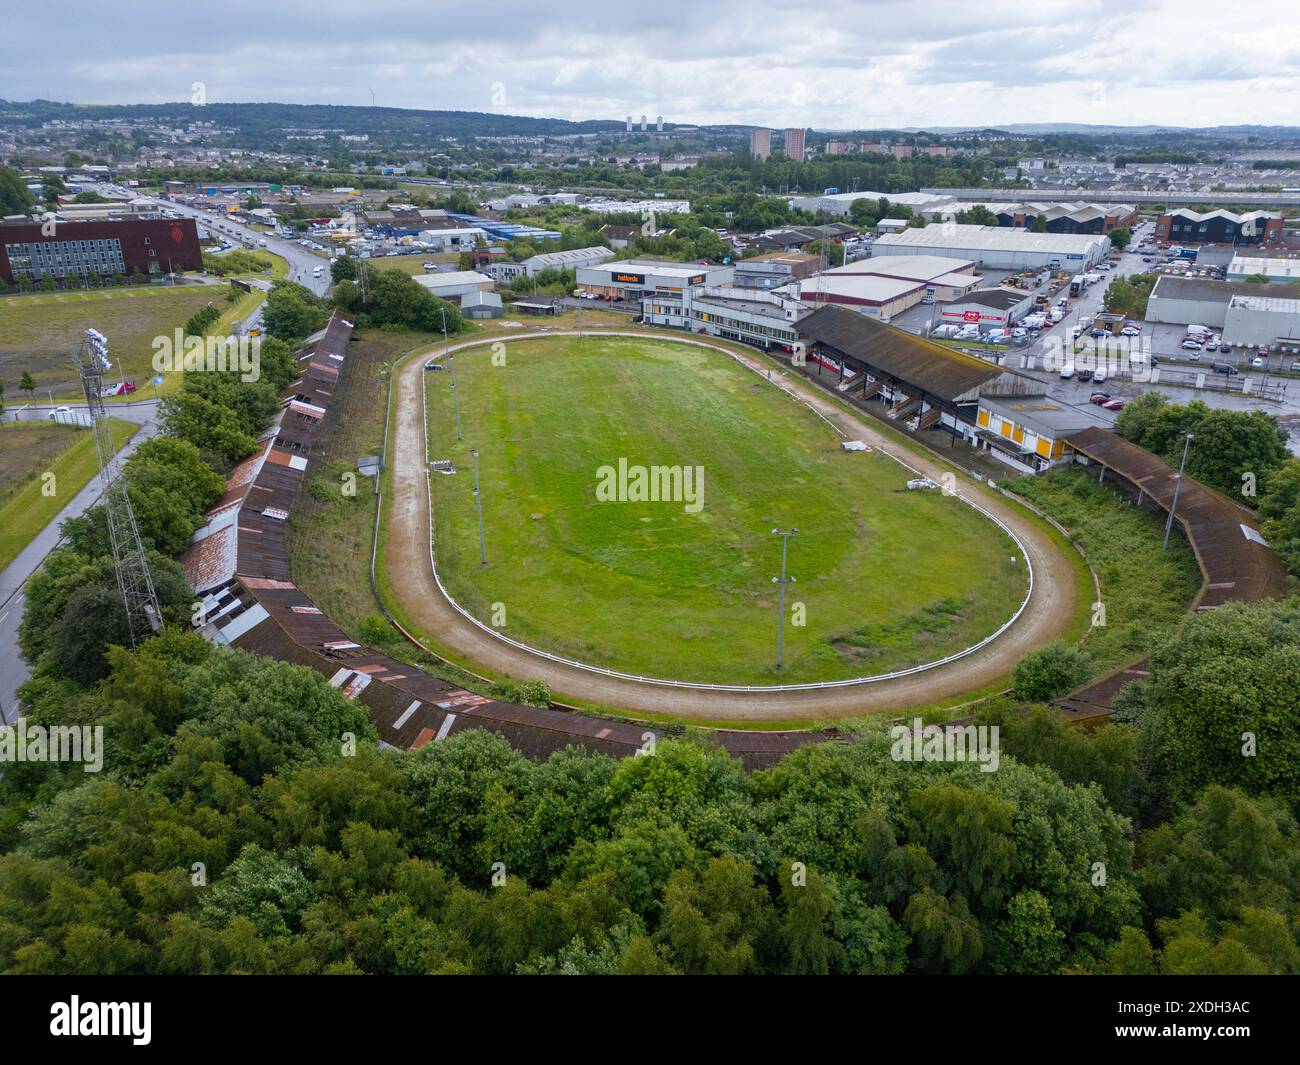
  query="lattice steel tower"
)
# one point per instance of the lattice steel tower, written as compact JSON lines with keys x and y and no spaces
{"x":134,"y":581}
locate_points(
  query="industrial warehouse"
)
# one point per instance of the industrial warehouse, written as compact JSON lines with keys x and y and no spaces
{"x":1185,"y":226}
{"x":1249,"y":314}
{"x":632,"y":279}
{"x":996,"y":247}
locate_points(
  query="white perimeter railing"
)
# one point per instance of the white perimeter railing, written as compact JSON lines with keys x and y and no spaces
{"x":600,"y":670}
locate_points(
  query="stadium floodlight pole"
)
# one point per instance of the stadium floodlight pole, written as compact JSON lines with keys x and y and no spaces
{"x":1173,"y":506}
{"x":478,"y":496}
{"x":782,"y":580}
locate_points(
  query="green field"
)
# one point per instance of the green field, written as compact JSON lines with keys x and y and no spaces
{"x":39,"y":332}
{"x":886,"y":578}
{"x":413,"y":264}
{"x":27,"y":451}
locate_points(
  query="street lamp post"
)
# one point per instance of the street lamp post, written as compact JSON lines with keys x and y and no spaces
{"x":478,"y":497}
{"x":1178,"y":485}
{"x":782,"y":580}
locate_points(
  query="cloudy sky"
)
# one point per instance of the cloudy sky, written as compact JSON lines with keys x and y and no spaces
{"x":835,"y":64}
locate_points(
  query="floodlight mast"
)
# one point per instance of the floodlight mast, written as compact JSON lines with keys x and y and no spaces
{"x":134,"y":582}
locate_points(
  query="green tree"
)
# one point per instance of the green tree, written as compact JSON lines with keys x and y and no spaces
{"x":1049,"y":671}
{"x":1221,"y":702}
{"x":14,"y":195}
{"x":1279,"y":509}
{"x":1120,"y":237}
{"x":170,"y":487}
{"x":292,"y":312}
{"x":344,"y":268}
{"x":26,"y":384}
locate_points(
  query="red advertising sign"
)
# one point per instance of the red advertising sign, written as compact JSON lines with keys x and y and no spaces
{"x":970,"y":316}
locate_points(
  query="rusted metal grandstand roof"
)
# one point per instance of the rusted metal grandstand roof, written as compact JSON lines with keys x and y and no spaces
{"x":1098,"y":699}
{"x":252,"y":603}
{"x":1235,"y":566}
{"x":940,"y":371}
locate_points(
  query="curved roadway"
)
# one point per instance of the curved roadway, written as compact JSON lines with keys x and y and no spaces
{"x":1046,"y":616}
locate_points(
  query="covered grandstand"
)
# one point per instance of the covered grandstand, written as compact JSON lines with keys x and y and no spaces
{"x":1235,"y":561}
{"x":925,"y":384}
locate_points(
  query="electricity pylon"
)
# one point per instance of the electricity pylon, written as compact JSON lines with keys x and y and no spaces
{"x":134,"y":582}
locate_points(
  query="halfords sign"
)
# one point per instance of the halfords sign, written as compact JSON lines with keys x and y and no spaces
{"x":974,"y":317}
{"x":629,"y":279}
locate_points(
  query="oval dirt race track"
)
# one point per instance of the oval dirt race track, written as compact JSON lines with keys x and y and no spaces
{"x":1046,"y":616}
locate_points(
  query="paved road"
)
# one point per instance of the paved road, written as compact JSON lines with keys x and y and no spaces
{"x":13,"y":670}
{"x":1048,"y":614}
{"x":302,"y":263}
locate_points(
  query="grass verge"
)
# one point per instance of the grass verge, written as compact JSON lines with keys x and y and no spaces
{"x":29,"y":509}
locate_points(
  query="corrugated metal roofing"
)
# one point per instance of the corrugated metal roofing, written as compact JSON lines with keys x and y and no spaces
{"x":263,"y":612}
{"x":1235,"y":567}
{"x":940,"y":371}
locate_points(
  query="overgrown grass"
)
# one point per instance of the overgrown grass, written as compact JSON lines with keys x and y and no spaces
{"x":656,"y":589}
{"x":1145,"y":591}
{"x":30,"y":508}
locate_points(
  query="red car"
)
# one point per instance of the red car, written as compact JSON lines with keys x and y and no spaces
{"x":1099,"y":398}
{"x":1113,"y":404}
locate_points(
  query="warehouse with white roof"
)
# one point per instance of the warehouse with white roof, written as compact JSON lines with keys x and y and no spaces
{"x":1277,"y":270}
{"x":940,"y":277}
{"x":999,"y":248}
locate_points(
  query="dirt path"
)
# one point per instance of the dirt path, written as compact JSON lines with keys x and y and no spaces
{"x":410,"y":573}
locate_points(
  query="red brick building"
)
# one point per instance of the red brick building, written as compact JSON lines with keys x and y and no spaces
{"x":79,"y":249}
{"x":1185,"y":226}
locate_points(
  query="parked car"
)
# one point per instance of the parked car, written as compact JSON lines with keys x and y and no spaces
{"x":1225,"y":368}
{"x":1085,"y":375}
{"x":1099,"y":374}
{"x":1067,"y":371}
{"x":1257,"y":361}
{"x":1262,"y":351}
{"x":1191,"y":345}
{"x":1113,"y":404}
{"x":1099,"y":398}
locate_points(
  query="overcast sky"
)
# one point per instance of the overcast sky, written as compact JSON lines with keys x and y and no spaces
{"x":829,"y":65}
